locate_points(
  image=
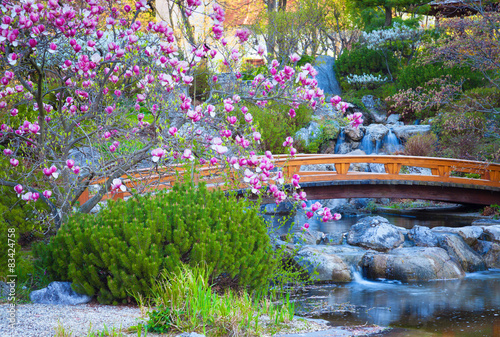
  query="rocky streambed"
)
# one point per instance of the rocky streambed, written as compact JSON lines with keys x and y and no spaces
{"x":379,"y":250}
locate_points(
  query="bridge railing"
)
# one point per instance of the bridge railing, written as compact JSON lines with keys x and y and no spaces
{"x":443,"y":170}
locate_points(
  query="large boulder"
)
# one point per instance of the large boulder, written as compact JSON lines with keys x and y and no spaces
{"x":470,"y":234}
{"x":411,"y":264}
{"x":461,"y":252}
{"x":355,"y":134}
{"x":58,"y":293}
{"x":326,"y":75}
{"x":492,"y":233}
{"x":403,"y":132}
{"x":490,"y":252}
{"x":422,"y":236}
{"x":329,"y":267}
{"x":375,"y":233}
{"x":309,"y":237}
{"x":376,"y":131}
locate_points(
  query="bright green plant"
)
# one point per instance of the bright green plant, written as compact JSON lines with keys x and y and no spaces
{"x":186,"y":301}
{"x":275,"y":124}
{"x":124,"y":247}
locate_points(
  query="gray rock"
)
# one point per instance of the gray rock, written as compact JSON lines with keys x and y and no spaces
{"x":403,"y":132}
{"x":422,"y":236}
{"x":328,"y":266}
{"x":358,"y":167}
{"x":310,"y":237}
{"x":490,"y":253}
{"x":4,"y":289}
{"x":492,"y":233}
{"x":376,"y":168}
{"x":412,"y":264}
{"x":318,"y":167}
{"x":486,"y":222}
{"x":376,"y":108}
{"x":355,"y":134}
{"x":375,"y":233}
{"x":393,"y":119}
{"x":58,"y":293}
{"x":333,"y":239}
{"x":326,"y":75}
{"x":376,"y":131}
{"x":470,"y":234}
{"x":461,"y":252}
{"x":424,"y":171}
{"x":335,"y":263}
{"x":190,"y":334}
{"x":85,"y":156}
{"x":309,"y":133}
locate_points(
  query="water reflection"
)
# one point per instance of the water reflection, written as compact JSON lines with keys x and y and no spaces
{"x":458,"y":307}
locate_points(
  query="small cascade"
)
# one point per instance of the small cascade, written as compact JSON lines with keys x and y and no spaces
{"x":340,"y":141}
{"x":367,"y":144}
{"x":358,"y":278}
{"x":391,"y":143}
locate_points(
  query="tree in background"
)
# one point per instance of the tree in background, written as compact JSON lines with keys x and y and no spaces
{"x":388,"y":7}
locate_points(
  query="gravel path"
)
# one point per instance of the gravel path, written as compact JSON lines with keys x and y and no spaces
{"x":41,"y":320}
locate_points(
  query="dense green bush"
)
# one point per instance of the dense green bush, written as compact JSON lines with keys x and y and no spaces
{"x":361,"y":60}
{"x":120,"y":250}
{"x":275,"y":124}
{"x":416,"y":75}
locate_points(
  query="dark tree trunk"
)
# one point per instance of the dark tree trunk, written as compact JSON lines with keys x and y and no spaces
{"x":388,"y":16}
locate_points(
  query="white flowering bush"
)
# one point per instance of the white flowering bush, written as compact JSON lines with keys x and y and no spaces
{"x":365,"y":80}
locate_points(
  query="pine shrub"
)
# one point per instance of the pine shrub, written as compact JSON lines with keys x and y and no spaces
{"x":122,"y":249}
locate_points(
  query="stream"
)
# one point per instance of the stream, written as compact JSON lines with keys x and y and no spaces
{"x":466,"y":307}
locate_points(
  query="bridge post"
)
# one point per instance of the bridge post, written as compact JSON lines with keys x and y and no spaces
{"x":342,"y":168}
{"x":441,"y":170}
{"x":392,"y":168}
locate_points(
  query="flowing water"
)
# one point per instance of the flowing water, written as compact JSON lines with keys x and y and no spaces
{"x":462,"y":308}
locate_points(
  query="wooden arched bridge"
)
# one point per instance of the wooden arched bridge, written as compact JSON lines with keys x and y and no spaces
{"x":332,"y":176}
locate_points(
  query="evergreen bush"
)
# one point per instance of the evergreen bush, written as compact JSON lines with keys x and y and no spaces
{"x":361,"y":60}
{"x":122,"y":249}
{"x":416,"y":75}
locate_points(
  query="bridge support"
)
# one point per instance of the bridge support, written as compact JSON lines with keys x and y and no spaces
{"x":454,"y":193}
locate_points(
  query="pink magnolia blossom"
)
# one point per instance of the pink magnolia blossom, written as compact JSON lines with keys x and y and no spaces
{"x":187,"y":154}
{"x":7,"y":152}
{"x":118,"y":185}
{"x":14,"y":162}
{"x":47,"y":194}
{"x":70,"y":163}
{"x":18,"y":189}
{"x":294,"y":58}
{"x":157,"y":154}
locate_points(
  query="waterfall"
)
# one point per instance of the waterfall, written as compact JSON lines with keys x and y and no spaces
{"x":391,"y":143}
{"x":367,"y":144}
{"x":340,"y":141}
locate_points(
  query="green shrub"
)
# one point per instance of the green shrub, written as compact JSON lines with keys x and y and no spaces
{"x":361,"y":60}
{"x":416,"y":75}
{"x":120,"y":250}
{"x":275,"y":124}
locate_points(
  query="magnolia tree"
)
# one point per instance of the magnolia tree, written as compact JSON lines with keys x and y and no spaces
{"x":81,"y":103}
